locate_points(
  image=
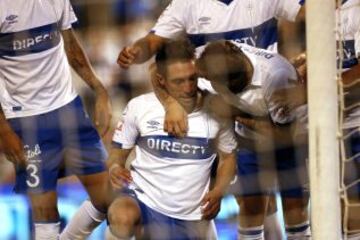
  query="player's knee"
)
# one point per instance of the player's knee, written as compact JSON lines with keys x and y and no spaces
{"x":252,"y":205}
{"x":295,"y":210}
{"x":123,"y":216}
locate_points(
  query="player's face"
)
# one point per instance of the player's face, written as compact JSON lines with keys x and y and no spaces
{"x":221,"y":70}
{"x":181,"y":82}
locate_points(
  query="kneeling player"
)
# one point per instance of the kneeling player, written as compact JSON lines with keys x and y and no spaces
{"x":168,"y":196}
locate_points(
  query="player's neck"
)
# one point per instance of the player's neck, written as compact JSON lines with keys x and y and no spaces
{"x":197,"y":104}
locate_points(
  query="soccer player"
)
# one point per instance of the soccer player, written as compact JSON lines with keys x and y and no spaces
{"x":251,"y":22}
{"x":260,"y":86}
{"x":44,"y":130}
{"x":349,"y":13}
{"x":166,"y":190}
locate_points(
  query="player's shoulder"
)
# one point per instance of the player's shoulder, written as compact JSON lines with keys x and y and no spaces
{"x":144,"y":100}
{"x":351,"y":3}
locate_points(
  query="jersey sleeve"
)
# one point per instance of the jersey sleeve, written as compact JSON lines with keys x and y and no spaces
{"x":68,"y":16}
{"x":288,"y":9}
{"x":126,"y":132}
{"x":171,"y":23}
{"x":226,"y":138}
{"x":277,"y":94}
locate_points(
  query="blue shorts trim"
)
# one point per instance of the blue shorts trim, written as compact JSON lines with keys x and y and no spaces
{"x":262,"y":173}
{"x":57,"y":144}
{"x":158,"y":226}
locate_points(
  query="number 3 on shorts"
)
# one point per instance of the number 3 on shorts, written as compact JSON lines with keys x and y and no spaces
{"x":33,"y":178}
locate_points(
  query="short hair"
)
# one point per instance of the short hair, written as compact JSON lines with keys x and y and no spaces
{"x":174,"y":51}
{"x":218,"y":52}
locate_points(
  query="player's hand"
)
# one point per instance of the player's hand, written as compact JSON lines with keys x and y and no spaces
{"x":210,"y":204}
{"x":12,"y":147}
{"x":127,"y":56}
{"x":119,"y":176}
{"x":175,"y":122}
{"x":103,"y":112}
{"x":260,"y":126}
{"x":299,"y":63}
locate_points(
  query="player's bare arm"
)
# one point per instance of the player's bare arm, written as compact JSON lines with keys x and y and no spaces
{"x":141,"y":51}
{"x":175,"y":122}
{"x":119,"y":175}
{"x":10,"y":143}
{"x":81,"y":65}
{"x":225,"y":174}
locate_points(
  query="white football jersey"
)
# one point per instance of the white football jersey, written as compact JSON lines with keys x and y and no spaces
{"x":349,"y":14}
{"x":253,"y":22}
{"x":171,"y":175}
{"x":261,"y":98}
{"x":34,"y":70}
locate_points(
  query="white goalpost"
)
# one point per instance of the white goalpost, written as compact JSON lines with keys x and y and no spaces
{"x":323,"y":120}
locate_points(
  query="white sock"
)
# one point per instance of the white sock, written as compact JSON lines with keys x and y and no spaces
{"x":273,"y":227}
{"x":85,"y":220}
{"x":299,"y":231}
{"x":251,"y":233}
{"x":47,"y":231}
{"x":110,"y":236}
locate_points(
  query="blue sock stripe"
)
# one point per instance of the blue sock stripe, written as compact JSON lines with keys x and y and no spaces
{"x":297,"y":229}
{"x":250,"y":232}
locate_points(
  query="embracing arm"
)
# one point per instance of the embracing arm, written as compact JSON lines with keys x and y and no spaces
{"x":116,"y":165}
{"x":80,"y":63}
{"x":141,"y":51}
{"x":10,"y":143}
{"x":224,"y":175}
{"x":175,"y":122}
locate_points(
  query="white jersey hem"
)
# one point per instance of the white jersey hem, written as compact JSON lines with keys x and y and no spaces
{"x":31,"y":113}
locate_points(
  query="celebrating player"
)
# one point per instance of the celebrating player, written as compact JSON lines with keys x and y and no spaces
{"x":261,"y":87}
{"x":44,"y":129}
{"x":168,"y":185}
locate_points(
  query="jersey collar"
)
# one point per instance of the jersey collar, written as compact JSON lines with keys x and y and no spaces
{"x":227,"y":2}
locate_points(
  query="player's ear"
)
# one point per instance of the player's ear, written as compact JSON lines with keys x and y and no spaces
{"x":160,"y":79}
{"x":231,"y":48}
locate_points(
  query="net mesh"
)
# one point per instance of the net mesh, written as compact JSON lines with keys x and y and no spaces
{"x":348,"y":130}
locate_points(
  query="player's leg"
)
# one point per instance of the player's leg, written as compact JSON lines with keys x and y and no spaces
{"x":124,"y":217}
{"x":251,"y":216}
{"x":272,"y":225}
{"x":92,"y":212}
{"x":293,"y":178}
{"x":250,"y":196}
{"x":85,"y":157}
{"x":43,"y":153}
{"x":45,"y":215}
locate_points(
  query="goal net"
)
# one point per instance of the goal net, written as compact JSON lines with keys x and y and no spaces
{"x":333,"y":125}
